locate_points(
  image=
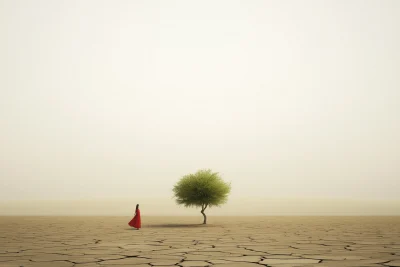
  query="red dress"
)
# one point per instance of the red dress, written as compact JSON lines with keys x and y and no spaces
{"x":136,"y":222}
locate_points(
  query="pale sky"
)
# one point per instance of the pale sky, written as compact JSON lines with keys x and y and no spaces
{"x":122,"y":98}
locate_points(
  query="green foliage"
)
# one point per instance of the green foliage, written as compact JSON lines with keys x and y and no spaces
{"x":201,"y":189}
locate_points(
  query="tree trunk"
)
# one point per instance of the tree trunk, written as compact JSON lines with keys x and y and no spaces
{"x":203,"y":208}
{"x":205,"y":217}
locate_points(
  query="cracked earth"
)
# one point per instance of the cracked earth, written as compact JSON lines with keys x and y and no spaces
{"x":181,"y":241}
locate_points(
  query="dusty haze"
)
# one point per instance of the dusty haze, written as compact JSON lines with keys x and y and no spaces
{"x":117,"y":100}
{"x":250,"y":206}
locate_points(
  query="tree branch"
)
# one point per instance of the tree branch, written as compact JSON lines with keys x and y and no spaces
{"x":204,"y":206}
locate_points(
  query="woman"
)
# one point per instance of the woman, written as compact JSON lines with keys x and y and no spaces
{"x":136,"y":222}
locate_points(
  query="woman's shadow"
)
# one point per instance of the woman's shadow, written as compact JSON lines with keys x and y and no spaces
{"x":176,"y":225}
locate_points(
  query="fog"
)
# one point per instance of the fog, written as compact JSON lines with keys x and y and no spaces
{"x":119,"y":99}
{"x":250,"y":206}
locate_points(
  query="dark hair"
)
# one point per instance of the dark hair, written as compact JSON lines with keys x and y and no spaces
{"x":137,"y":206}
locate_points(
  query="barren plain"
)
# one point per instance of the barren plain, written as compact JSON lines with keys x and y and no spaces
{"x":285,"y":241}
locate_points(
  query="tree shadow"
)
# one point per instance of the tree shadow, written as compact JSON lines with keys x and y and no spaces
{"x":176,"y":225}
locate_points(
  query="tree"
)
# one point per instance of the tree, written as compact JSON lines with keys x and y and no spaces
{"x":202,"y":189}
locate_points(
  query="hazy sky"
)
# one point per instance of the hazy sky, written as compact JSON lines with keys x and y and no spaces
{"x":122,"y":98}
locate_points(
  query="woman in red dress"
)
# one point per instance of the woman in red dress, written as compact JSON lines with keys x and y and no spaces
{"x":136,"y":222}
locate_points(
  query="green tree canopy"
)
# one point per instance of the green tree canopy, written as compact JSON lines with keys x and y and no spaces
{"x":202,"y":189}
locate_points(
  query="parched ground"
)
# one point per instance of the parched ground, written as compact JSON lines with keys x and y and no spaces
{"x":182,"y":241}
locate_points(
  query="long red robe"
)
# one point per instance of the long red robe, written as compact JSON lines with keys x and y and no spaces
{"x":136,"y":222}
